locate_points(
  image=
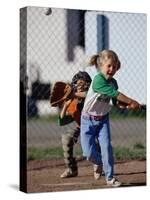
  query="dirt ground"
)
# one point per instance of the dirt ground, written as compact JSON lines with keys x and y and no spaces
{"x":44,"y":176}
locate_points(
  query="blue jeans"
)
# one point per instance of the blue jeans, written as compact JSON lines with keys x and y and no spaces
{"x":100,"y":129}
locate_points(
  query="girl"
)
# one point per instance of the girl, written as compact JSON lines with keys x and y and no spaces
{"x":95,"y":113}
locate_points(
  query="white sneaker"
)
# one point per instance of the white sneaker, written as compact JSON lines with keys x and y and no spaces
{"x":97,"y":171}
{"x":113,"y":182}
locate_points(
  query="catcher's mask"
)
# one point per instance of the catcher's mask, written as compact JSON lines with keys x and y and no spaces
{"x":81,"y":76}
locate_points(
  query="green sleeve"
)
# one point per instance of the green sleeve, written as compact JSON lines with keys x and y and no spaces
{"x":65,"y":120}
{"x":100,"y":85}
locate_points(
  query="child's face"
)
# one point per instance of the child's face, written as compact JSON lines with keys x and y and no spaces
{"x":108,"y":69}
{"x":80,"y":84}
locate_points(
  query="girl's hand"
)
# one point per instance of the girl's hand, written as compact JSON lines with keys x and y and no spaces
{"x":121,"y":105}
{"x":134,"y":105}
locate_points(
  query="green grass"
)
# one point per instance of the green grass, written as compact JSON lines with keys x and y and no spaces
{"x":139,"y":146}
{"x":129,"y":153}
{"x":138,"y":151}
{"x":44,"y":153}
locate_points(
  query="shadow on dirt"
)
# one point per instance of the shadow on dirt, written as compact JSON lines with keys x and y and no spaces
{"x":130,"y":173}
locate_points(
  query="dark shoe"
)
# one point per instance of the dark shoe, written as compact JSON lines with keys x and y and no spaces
{"x":68,"y":173}
{"x":97,"y":171}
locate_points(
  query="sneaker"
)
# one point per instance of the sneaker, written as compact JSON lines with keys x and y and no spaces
{"x":113,"y":182}
{"x":68,"y":173}
{"x":97,"y":171}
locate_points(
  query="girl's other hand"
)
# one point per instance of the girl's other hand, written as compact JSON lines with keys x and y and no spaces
{"x":134,"y":105}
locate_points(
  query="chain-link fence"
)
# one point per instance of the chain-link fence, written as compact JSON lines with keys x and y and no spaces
{"x":57,"y":43}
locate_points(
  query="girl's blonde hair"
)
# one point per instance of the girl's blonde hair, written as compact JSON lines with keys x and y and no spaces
{"x":99,"y":59}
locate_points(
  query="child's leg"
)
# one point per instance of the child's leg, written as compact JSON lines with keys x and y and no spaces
{"x":68,"y":141}
{"x":106,"y":149}
{"x":88,"y":141}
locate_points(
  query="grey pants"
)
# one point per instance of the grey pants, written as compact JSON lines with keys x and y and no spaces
{"x":68,"y":141}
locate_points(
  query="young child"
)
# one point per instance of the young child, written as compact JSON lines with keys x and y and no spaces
{"x":95,"y":114}
{"x":80,"y":83}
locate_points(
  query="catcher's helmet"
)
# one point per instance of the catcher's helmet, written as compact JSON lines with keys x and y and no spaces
{"x":83,"y":76}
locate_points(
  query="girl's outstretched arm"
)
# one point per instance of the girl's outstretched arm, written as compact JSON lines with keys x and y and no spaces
{"x":131,"y":103}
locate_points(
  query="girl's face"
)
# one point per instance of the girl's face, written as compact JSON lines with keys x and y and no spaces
{"x":108,"y":69}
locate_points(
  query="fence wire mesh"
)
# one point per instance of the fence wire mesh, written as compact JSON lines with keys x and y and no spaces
{"x":59,"y":43}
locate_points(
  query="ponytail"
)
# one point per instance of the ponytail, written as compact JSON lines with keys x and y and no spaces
{"x":93,"y":60}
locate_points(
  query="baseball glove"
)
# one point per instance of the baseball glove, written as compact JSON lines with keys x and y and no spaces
{"x":60,"y":92}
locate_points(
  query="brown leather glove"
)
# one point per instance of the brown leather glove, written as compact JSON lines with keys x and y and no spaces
{"x":60,"y":92}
